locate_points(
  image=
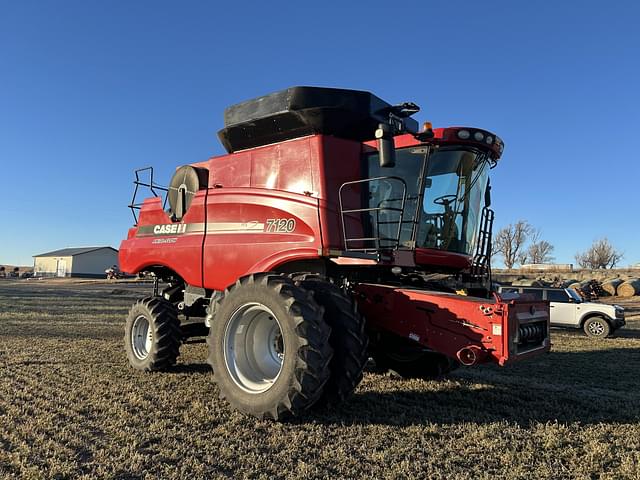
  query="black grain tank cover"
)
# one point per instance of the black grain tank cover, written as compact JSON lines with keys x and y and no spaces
{"x":300,"y":111}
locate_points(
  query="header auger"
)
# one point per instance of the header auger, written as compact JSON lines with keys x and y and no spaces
{"x":332,"y":231}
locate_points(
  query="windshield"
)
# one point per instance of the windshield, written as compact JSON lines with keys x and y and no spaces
{"x":575,"y":295}
{"x":449,"y":214}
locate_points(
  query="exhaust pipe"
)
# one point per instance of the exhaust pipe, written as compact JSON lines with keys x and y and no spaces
{"x":469,"y":356}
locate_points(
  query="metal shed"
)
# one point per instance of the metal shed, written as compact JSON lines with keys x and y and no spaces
{"x":87,"y":262}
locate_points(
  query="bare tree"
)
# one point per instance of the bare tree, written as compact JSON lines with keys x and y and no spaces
{"x":600,"y":255}
{"x":510,"y":240}
{"x":539,"y":251}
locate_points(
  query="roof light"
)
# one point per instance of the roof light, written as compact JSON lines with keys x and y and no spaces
{"x":479,"y":136}
{"x":489,"y":139}
{"x":463,"y":134}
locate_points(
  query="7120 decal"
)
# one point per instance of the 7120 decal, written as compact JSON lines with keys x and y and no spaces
{"x":280,"y":225}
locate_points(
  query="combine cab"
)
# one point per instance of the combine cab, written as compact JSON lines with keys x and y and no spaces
{"x":332,"y":231}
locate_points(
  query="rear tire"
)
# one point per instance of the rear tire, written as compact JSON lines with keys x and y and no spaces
{"x":152,"y":334}
{"x":348,"y":337}
{"x":269,"y":347}
{"x":597,"y":327}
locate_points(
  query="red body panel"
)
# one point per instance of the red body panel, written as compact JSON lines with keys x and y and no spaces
{"x":182,"y":253}
{"x":238,"y":241}
{"x":296,"y":180}
{"x":450,"y":323}
{"x":429,"y":256}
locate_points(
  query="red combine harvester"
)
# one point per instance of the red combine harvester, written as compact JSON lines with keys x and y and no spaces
{"x":332,"y":231}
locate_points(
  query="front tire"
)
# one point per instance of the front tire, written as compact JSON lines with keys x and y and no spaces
{"x":597,"y":327}
{"x":269,"y":347}
{"x":152,"y":334}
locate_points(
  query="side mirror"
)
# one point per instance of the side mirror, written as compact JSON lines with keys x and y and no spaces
{"x":386,"y":146}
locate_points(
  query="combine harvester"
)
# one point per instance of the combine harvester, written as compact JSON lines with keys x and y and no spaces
{"x":332,"y":231}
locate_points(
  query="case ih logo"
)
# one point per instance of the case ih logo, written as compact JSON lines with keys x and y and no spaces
{"x":169,"y":229}
{"x":272,"y":225}
{"x":174,"y":229}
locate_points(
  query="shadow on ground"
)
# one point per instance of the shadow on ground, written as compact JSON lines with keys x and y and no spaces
{"x":585,"y":386}
{"x":565,"y":387}
{"x":626,"y":333}
{"x":192,"y":368}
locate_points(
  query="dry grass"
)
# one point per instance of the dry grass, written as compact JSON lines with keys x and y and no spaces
{"x":70,"y":407}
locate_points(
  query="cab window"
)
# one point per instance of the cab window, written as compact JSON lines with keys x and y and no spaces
{"x":535,"y":292}
{"x":557,"y":296}
{"x":509,"y":290}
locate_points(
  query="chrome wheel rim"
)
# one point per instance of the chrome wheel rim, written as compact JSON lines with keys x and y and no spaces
{"x":596,"y":328}
{"x":253,"y":348}
{"x":141,"y":337}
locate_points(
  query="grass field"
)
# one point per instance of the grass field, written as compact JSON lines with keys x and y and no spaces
{"x":70,"y":407}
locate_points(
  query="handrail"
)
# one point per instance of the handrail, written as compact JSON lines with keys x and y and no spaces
{"x":378,"y":238}
{"x":151,"y":185}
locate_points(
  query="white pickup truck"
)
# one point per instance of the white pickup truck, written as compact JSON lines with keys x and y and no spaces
{"x":568,"y":310}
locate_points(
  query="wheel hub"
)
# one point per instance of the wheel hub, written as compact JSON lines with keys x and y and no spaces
{"x":596,"y":328}
{"x":141,"y":337}
{"x":254,"y":347}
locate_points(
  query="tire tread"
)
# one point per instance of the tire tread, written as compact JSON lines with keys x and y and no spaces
{"x":348,"y":337}
{"x":311,"y":370}
{"x":163,"y":319}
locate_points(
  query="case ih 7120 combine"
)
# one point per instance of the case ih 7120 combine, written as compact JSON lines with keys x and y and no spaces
{"x":332,"y":231}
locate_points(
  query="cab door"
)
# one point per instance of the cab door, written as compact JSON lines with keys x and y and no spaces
{"x":563,"y":311}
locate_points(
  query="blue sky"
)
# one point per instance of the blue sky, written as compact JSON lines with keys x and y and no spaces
{"x":91,"y":90}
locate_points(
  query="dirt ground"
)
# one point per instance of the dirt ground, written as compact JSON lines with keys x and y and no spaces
{"x":70,"y":407}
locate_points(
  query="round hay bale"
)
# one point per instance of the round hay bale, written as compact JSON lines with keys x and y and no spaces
{"x":611,"y":286}
{"x":568,"y":283}
{"x":574,"y":285}
{"x":629,"y":288}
